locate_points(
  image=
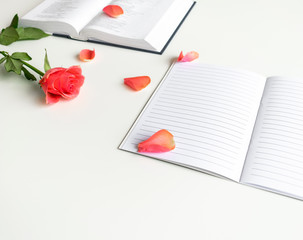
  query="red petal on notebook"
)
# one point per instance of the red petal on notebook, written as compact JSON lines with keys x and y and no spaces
{"x":137,"y":83}
{"x":161,"y":141}
{"x":113,"y":10}
{"x":181,"y":56}
{"x":87,"y":55}
{"x":190,"y":56}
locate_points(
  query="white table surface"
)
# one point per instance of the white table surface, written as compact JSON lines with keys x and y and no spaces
{"x":61,"y":174}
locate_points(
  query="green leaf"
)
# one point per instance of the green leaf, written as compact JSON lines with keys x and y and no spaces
{"x":15,"y":21}
{"x":21,"y":55}
{"x":28,"y":75}
{"x":13,"y":65}
{"x":8,"y":36}
{"x":30,"y":33}
{"x":2,"y":60}
{"x":46,"y":62}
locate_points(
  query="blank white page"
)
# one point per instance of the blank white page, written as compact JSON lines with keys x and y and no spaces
{"x":275,"y":158}
{"x":211,"y":112}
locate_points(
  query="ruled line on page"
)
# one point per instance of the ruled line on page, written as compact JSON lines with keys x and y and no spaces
{"x":208,"y":114}
{"x":281,"y":133}
{"x":286,"y":97}
{"x":218,"y":122}
{"x":215,"y":106}
{"x":279,"y":161}
{"x":287,"y":111}
{"x":202,"y":134}
{"x":284,"y":122}
{"x":213,"y":95}
{"x":219,"y":95}
{"x":272,"y":140}
{"x":212,"y":86}
{"x":230,"y":140}
{"x":287,"y":102}
{"x":211,"y":81}
{"x":221,"y":73}
{"x":290,"y":176}
{"x":278,"y":180}
{"x":197,"y":103}
{"x":275,"y":115}
{"x":260,"y":154}
{"x":281,"y":144}
{"x":266,"y":135}
{"x":279,"y":150}
{"x":226,"y":164}
{"x":203,"y":159}
{"x":227,"y":152}
{"x":283,"y":125}
{"x":285,"y":92}
{"x":232,"y":87}
{"x":281,"y":83}
{"x":179,"y":140}
{"x":201,"y":100}
{"x":273,"y":166}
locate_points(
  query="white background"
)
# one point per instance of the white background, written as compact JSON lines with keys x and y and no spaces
{"x":61,"y":174}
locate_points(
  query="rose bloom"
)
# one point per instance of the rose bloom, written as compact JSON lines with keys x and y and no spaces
{"x":62,"y":83}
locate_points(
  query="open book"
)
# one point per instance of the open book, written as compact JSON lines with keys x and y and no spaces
{"x":229,"y":122}
{"x":146,"y":25}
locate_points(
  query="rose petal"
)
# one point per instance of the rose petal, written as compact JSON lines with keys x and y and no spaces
{"x":87,"y":55}
{"x":52,"y":98}
{"x":113,"y":10}
{"x":190,"y":56}
{"x":137,"y":83}
{"x":161,"y":141}
{"x":181,"y":56}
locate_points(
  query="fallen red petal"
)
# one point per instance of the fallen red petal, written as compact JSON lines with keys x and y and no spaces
{"x":190,"y":56}
{"x":87,"y":55}
{"x":181,"y":56}
{"x":137,"y":83}
{"x":161,"y":141}
{"x":113,"y":10}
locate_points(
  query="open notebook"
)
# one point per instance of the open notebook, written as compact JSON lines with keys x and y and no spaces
{"x":229,"y":122}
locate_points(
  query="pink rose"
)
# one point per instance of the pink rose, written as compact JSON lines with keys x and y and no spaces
{"x":62,"y":82}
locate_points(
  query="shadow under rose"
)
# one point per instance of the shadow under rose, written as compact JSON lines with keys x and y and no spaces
{"x":22,"y":87}
{"x":33,"y":91}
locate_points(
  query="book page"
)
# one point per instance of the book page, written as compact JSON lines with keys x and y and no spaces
{"x":275,"y":158}
{"x":210,"y":111}
{"x":76,"y":13}
{"x":136,"y":22}
{"x":166,"y":26}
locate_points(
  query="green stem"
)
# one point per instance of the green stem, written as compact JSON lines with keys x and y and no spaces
{"x":33,"y":68}
{"x":5,"y":54}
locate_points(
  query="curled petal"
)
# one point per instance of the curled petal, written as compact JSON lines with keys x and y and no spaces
{"x":87,"y":55}
{"x":137,"y":83}
{"x":190,"y":56}
{"x":161,"y":141}
{"x":181,"y":56}
{"x":113,"y":10}
{"x":52,"y":98}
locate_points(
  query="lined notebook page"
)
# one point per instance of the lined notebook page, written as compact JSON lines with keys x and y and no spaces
{"x":210,"y":111}
{"x":275,"y":158}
